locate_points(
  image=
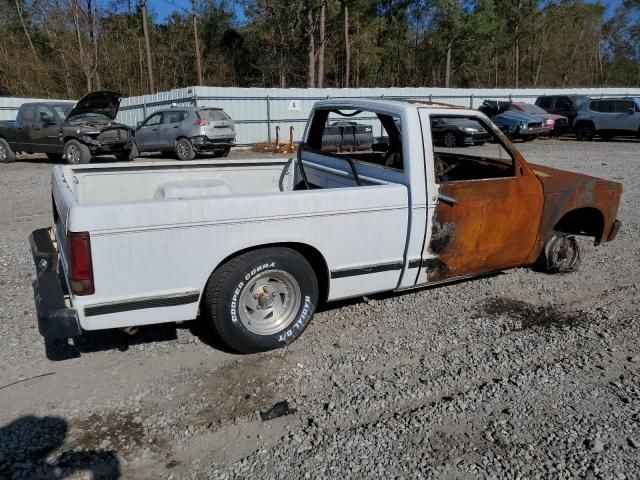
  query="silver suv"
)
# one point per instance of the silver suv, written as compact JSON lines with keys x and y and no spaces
{"x":186,"y":131}
{"x":608,"y":117}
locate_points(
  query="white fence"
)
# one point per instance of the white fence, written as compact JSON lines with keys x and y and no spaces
{"x":258,"y":111}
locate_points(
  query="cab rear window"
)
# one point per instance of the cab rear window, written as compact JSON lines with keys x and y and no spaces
{"x":212,"y":115}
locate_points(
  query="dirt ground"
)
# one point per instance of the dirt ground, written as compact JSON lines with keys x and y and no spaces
{"x":516,"y":375}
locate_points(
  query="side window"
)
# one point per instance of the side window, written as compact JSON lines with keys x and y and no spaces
{"x":544,"y":102}
{"x":44,"y":113}
{"x":594,"y":106}
{"x":172,"y":117}
{"x":465,"y":148}
{"x":26,"y":115}
{"x":153,"y":120}
{"x":361,"y":136}
{"x":623,"y":106}
{"x":563,"y":103}
{"x":607,"y":106}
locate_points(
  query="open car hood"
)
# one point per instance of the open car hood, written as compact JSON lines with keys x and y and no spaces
{"x":102,"y":102}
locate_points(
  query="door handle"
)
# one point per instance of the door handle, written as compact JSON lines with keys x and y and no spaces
{"x":446,"y":199}
{"x":176,"y":126}
{"x":154,"y":129}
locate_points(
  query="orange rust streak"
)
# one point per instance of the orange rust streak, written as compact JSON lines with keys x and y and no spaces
{"x":494,"y":225}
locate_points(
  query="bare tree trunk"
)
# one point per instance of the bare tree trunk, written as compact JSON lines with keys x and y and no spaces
{"x":320,"y":82}
{"x":93,"y":33}
{"x":311,"y":73}
{"x":347,"y":49}
{"x":358,"y":54}
{"x":143,"y":6}
{"x":76,"y":24}
{"x":447,"y":66}
{"x":496,"y":66}
{"x":516,"y":48}
{"x":196,"y":43}
{"x":26,"y":31}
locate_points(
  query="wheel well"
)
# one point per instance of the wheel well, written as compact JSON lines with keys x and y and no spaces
{"x":588,"y":123}
{"x":311,"y":254}
{"x":586,"y":221}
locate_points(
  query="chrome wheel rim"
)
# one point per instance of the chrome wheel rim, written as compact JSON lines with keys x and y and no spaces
{"x":183,"y":149}
{"x":73,"y":154}
{"x":3,"y":153}
{"x":269,"y":302}
{"x":449,"y":140}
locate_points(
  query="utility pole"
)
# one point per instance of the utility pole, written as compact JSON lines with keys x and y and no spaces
{"x":196,"y":41}
{"x":143,"y":9}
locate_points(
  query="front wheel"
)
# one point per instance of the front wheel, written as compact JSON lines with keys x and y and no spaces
{"x":185,"y":150}
{"x":261,"y":300}
{"x":7,"y":155}
{"x":584,"y":133}
{"x":76,"y":153}
{"x":561,"y":254}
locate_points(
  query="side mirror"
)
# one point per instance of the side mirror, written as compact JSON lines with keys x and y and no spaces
{"x":139,"y":124}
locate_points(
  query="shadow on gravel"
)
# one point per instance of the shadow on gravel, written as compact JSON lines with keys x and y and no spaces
{"x":32,"y":447}
{"x":528,"y":316}
{"x":101,"y":340}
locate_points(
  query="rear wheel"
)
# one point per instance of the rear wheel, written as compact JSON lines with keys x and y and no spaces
{"x":7,"y":155}
{"x":561,"y":254}
{"x":222,"y":153}
{"x":76,"y":153}
{"x":184,"y":149}
{"x":584,"y":132}
{"x":261,"y":300}
{"x":128,"y":155}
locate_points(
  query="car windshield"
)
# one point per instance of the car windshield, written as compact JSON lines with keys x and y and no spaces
{"x":529,"y":108}
{"x":212,"y":115}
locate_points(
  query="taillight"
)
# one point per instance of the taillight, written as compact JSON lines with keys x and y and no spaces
{"x":79,"y":258}
{"x":200,"y":123}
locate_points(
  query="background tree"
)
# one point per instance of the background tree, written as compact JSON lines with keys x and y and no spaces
{"x":63,"y":48}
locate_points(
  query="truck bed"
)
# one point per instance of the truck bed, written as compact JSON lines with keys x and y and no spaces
{"x":160,"y":229}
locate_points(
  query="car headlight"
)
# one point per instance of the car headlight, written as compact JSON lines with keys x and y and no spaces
{"x":550,"y":121}
{"x":470,"y":130}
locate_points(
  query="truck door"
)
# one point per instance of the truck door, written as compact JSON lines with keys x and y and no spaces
{"x":24,"y":121}
{"x":45,"y":131}
{"x":486,"y":208}
{"x":147,"y":133}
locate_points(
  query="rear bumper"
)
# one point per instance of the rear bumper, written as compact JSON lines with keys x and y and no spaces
{"x":55,"y":318}
{"x":212,"y":144}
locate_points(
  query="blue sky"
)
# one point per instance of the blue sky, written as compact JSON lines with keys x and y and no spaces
{"x":163,"y":8}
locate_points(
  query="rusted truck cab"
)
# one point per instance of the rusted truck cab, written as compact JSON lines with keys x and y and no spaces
{"x":513,"y":214}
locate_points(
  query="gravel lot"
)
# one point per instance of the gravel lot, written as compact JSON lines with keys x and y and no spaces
{"x":517,"y":375}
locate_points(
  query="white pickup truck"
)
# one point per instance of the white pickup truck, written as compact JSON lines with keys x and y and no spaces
{"x":252,"y":246}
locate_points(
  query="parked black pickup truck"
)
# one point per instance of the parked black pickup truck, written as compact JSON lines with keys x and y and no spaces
{"x":62,"y":129}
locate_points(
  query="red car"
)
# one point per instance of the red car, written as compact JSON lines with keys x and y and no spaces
{"x":556,"y":125}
